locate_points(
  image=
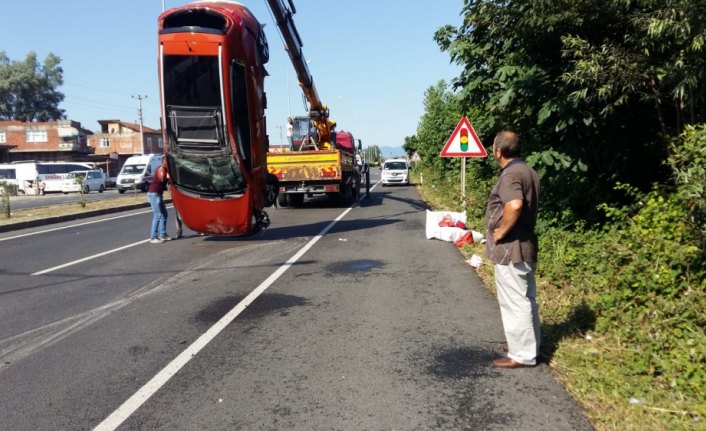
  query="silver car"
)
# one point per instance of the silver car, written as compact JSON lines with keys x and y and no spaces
{"x":88,"y":180}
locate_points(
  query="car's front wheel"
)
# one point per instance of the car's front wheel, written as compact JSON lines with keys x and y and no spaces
{"x":101,"y":189}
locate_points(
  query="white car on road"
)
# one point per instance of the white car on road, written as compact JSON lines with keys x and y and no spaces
{"x":395,"y":171}
{"x":88,"y":180}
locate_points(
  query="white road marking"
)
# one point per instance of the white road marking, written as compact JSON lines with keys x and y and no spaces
{"x":160,"y":379}
{"x":73,"y":225}
{"x":95,"y":256}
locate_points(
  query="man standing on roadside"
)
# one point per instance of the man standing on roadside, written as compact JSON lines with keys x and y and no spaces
{"x":512,"y":246}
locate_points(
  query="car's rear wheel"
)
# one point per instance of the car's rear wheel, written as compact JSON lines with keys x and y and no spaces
{"x":86,"y":189}
{"x":101,"y":189}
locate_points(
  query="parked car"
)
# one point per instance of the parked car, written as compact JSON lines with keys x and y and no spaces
{"x":93,"y":179}
{"x":395,"y":171}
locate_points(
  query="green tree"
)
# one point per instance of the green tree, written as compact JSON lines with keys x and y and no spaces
{"x":601,"y":86}
{"x":28,"y":90}
{"x":441,"y":114}
{"x":411,"y":145}
{"x":372,"y":154}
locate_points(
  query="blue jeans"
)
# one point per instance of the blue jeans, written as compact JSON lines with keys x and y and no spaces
{"x":159,"y":216}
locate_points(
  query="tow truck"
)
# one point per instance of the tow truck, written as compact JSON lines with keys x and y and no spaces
{"x":319,"y":159}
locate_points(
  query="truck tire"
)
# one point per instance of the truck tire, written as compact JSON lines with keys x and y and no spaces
{"x":296,"y":199}
{"x":282,"y":200}
{"x":121,"y":191}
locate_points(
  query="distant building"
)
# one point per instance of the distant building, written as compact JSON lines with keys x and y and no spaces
{"x":62,"y":140}
{"x":66,"y":140}
{"x":119,"y":140}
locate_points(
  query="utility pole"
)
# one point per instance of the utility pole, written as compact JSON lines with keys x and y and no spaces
{"x":139,"y":116}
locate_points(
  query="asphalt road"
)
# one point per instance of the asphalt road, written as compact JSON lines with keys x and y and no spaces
{"x":331,"y":319}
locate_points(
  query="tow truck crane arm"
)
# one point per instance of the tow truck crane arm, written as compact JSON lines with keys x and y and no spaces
{"x":317,"y":110}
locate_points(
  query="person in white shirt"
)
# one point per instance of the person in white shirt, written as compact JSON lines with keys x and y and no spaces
{"x":290,"y":132}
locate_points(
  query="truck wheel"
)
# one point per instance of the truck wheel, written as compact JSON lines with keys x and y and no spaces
{"x":296,"y":200}
{"x":282,"y":200}
{"x":121,"y":191}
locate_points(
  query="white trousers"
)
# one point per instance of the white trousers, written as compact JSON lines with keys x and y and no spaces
{"x":517,"y":293}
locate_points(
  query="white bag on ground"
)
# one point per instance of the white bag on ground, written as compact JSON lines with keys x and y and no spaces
{"x":449,"y":234}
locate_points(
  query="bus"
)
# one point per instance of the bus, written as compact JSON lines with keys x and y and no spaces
{"x":34,"y":177}
{"x":8,"y":174}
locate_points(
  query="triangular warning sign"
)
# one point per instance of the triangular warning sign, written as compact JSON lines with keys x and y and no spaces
{"x":463,"y":142}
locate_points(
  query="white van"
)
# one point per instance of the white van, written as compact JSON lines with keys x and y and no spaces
{"x":395,"y":171}
{"x":89,"y":180}
{"x":137,"y":172}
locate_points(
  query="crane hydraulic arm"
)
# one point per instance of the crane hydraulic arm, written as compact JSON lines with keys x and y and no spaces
{"x":317,"y":110}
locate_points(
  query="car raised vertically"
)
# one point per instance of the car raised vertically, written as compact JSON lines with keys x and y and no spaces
{"x":395,"y":171}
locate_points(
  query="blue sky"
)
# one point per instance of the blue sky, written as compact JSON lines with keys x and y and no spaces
{"x":372,"y":60}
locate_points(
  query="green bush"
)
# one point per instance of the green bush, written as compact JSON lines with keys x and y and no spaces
{"x":643,"y":276}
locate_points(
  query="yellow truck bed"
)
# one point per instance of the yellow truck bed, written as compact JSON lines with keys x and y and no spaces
{"x":298,"y":166}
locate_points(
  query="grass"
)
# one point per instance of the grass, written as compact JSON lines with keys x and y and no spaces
{"x":31,"y":214}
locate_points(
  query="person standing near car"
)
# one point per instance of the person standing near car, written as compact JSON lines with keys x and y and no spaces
{"x":290,"y":132}
{"x":158,"y":231}
{"x":512,"y":246}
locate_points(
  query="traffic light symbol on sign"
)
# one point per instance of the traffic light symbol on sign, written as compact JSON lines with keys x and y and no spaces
{"x":464,"y":139}
{"x":463,"y":142}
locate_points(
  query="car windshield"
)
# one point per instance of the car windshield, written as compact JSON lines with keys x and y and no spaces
{"x":396,"y":165}
{"x":133,"y":169}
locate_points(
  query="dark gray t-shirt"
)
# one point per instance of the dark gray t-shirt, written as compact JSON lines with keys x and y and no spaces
{"x":517,"y":181}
